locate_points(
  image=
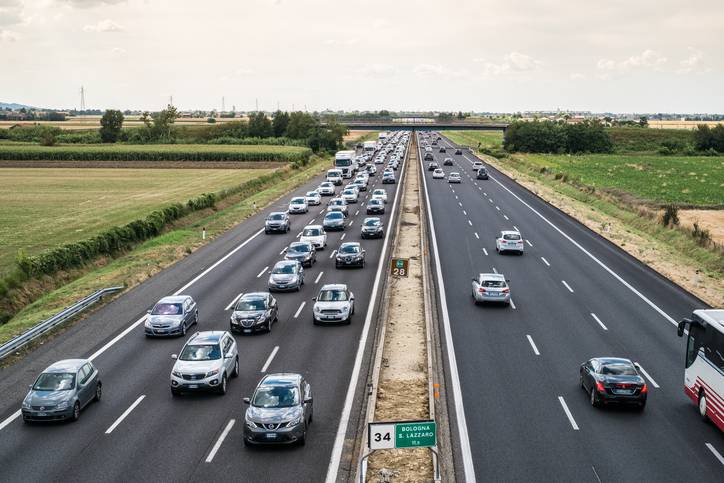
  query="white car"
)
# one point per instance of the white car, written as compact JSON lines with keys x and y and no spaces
{"x":438,"y":174}
{"x":298,"y":204}
{"x":477,"y":165}
{"x":379,"y":193}
{"x":206,"y":362}
{"x":334,"y":176}
{"x":338,"y":204}
{"x":350,"y":196}
{"x":313,"y":198}
{"x":509,"y":241}
{"x":335,"y":303}
{"x":371,"y":170}
{"x":454,"y":177}
{"x":491,"y":287}
{"x":326,"y":189}
{"x":315,"y":235}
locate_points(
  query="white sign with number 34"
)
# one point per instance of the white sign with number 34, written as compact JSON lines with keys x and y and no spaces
{"x":381,"y":436}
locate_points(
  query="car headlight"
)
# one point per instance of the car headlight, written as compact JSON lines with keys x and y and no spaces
{"x":249,"y":422}
{"x":317,"y":309}
{"x":259,"y":318}
{"x":63,"y":405}
{"x":212,"y":373}
{"x":26,"y":404}
{"x":294,"y":421}
{"x":176,"y":373}
{"x":147,"y":323}
{"x":345,"y":308}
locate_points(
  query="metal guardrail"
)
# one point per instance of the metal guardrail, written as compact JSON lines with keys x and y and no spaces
{"x":41,"y":328}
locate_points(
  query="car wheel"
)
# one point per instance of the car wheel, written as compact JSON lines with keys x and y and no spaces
{"x":594,"y":399}
{"x":235,"y":373}
{"x":175,"y":392}
{"x":183,"y":329}
{"x":99,"y":392}
{"x":196,"y":319}
{"x":222,"y":386}
{"x":246,"y":443}
{"x":303,"y":438}
{"x":314,"y":321}
{"x":703,"y":405}
{"x":76,"y":411}
{"x":641,"y":407}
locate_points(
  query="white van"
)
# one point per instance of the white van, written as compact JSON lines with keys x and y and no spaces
{"x":334,"y":176}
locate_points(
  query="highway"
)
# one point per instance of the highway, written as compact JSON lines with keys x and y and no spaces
{"x":139,"y":432}
{"x":575,"y":296}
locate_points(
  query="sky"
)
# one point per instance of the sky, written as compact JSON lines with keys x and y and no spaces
{"x":469,"y":55}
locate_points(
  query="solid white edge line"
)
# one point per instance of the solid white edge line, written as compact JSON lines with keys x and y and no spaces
{"x":318,"y":277}
{"x":532,"y":344}
{"x":567,"y":286}
{"x":219,"y":441}
{"x":299,"y":310}
{"x":270,"y":358}
{"x":125,"y":414}
{"x":334,"y":460}
{"x":468,"y":467}
{"x":568,"y":413}
{"x":651,"y":379}
{"x":715,"y":452}
{"x":262,"y":272}
{"x":10,"y":419}
{"x":545,"y":261}
{"x":231,"y":304}
{"x":599,"y":321}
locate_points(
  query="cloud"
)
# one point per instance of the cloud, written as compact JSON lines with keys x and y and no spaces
{"x":7,"y":36}
{"x":380,"y":23}
{"x":118,"y":52}
{"x":378,"y":70}
{"x":522,"y":62}
{"x":693,"y":63}
{"x":577,"y":76}
{"x":10,"y":3}
{"x":341,"y":43}
{"x":10,"y":13}
{"x":104,"y":26}
{"x":511,"y":63}
{"x":429,"y":70}
{"x":647,"y":60}
{"x":90,"y":3}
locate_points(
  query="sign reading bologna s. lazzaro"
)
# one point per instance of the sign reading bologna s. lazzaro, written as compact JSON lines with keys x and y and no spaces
{"x":401,"y":434}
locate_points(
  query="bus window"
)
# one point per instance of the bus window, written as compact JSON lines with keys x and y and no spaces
{"x":696,"y":335}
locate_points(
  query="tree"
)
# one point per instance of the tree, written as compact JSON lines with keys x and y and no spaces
{"x":301,"y":125}
{"x":111,"y":125}
{"x":703,"y":137}
{"x":159,"y":125}
{"x":260,"y":126}
{"x":643,"y":121}
{"x":280,"y":124}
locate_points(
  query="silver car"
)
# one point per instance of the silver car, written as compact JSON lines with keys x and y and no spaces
{"x":491,"y":287}
{"x":171,"y":316}
{"x":280,"y":411}
{"x":61,"y":391}
{"x":335,"y":303}
{"x":326,"y":189}
{"x":286,"y":275}
{"x":338,"y":204}
{"x":206,"y":362}
{"x":454,"y":177}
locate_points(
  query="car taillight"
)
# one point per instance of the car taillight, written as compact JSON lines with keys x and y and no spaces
{"x":481,"y":290}
{"x":505,"y":290}
{"x":599,"y":386}
{"x":644,"y":389}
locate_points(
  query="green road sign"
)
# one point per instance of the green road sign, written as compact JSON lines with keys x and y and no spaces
{"x":403,"y":434}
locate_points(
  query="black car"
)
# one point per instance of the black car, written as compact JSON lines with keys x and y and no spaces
{"x":432,"y":166}
{"x":458,"y":151}
{"x":375,"y":207}
{"x":253,"y":312}
{"x":350,"y":254}
{"x":277,"y":221}
{"x":448,"y":162}
{"x":442,"y":149}
{"x":372,"y":228}
{"x":613,"y":380}
{"x":428,"y":156}
{"x":482,"y":174}
{"x":388,"y":178}
{"x":303,"y":252}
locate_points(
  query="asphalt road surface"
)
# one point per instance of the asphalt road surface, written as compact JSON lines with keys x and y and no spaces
{"x":575,"y":296}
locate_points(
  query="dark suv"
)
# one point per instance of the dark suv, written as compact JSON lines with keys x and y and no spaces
{"x":277,"y":221}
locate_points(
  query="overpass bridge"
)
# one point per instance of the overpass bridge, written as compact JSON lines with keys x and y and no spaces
{"x":422,"y":124}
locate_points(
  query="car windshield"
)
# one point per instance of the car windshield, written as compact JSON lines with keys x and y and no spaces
{"x":618,"y":369}
{"x":349,"y":249}
{"x":251,"y":304}
{"x":299,"y":248}
{"x":494,"y":283}
{"x":297,"y":201}
{"x":276,"y":216}
{"x":511,"y":236}
{"x":284,"y":268}
{"x":348,"y":192}
{"x":371,"y":222}
{"x":336,"y":202}
{"x":332,"y":296}
{"x":312,"y":194}
{"x":276,"y":397}
{"x":167,"y":309}
{"x":311,"y":232}
{"x":375,"y":201}
{"x":334,"y":216}
{"x":380,"y":192}
{"x":55,"y":381}
{"x":200,"y":352}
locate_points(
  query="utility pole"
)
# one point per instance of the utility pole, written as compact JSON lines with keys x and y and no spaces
{"x":170,"y":100}
{"x":223,"y":104}
{"x":257,"y":104}
{"x":82,"y":101}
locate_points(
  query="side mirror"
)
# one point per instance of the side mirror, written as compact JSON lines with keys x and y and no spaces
{"x":246,"y":400}
{"x":637,"y":366}
{"x":475,"y":279}
{"x":314,"y":298}
{"x":682,"y":326}
{"x":228,"y":356}
{"x":308,"y":400}
{"x":174,"y":356}
{"x":148,"y":311}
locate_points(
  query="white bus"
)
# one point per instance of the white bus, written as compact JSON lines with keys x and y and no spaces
{"x":704,"y":372}
{"x":345,"y":161}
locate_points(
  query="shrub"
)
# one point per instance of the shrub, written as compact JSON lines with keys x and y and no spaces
{"x":701,"y":235}
{"x":47,"y":138}
{"x":670,"y":216}
{"x":86,"y":137}
{"x":211,"y":120}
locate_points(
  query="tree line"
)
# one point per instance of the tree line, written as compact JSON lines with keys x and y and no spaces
{"x":557,"y":137}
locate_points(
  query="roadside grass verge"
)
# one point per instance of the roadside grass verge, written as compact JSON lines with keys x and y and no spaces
{"x":487,"y":139}
{"x":154,"y":255}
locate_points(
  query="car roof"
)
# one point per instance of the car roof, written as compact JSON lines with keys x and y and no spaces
{"x":492,"y":276}
{"x":376,"y":200}
{"x":206,"y":337}
{"x":319,"y":227}
{"x":277,"y":213}
{"x":371,"y":218}
{"x":347,"y":244}
{"x":286,"y":262}
{"x":334,"y":286}
{"x":509,"y":232}
{"x":297,"y":243}
{"x":173,"y":299}
{"x":281,"y":379}
{"x":612,"y":360}
{"x":298,"y":198}
{"x":66,"y":365}
{"x":454,"y":172}
{"x":255,"y":295}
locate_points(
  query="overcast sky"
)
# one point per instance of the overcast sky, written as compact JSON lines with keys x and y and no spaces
{"x":481,"y":55}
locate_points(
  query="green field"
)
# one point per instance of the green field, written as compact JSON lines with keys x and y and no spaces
{"x":46,"y":207}
{"x":685,"y":180}
{"x":487,"y":139}
{"x":152,"y":152}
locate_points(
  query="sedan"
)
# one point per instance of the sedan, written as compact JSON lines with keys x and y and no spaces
{"x":371,"y":170}
{"x":298,"y":204}
{"x":171,"y":316}
{"x":388,"y":178}
{"x":458,"y":152}
{"x":280,"y":411}
{"x":447,"y":162}
{"x":432,"y":166}
{"x":277,"y":221}
{"x":253,"y":312}
{"x":326,"y":189}
{"x":335,"y":303}
{"x":61,"y":391}
{"x":380,"y":194}
{"x":482,"y":174}
{"x":313,"y":198}
{"x":286,"y":275}
{"x":613,"y":380}
{"x":350,"y":254}
{"x":334,"y":220}
{"x":477,"y":165}
{"x":303,"y":252}
{"x":491,"y":287}
{"x":442,"y":149}
{"x":372,"y":228}
{"x":454,"y":177}
{"x":350,"y":196}
{"x":315,"y":235}
{"x":338,"y":204}
{"x":509,"y":241}
{"x":375,"y":206}
{"x":438,"y":174}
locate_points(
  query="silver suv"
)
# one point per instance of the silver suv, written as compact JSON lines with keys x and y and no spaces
{"x":207,"y":361}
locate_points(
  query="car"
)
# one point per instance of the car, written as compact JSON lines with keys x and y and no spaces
{"x":509,"y":241}
{"x":350,"y":254}
{"x":372,"y":228}
{"x":334,"y":303}
{"x":428,"y":156}
{"x":253,"y":312}
{"x":338,"y":204}
{"x":434,"y":142}
{"x":313,"y":198}
{"x":614,"y":380}
{"x":350,"y":195}
{"x":315,"y":235}
{"x":286,"y":275}
{"x":171,"y":315}
{"x":375,"y":206}
{"x":371,"y":170}
{"x":326,"y":189}
{"x":458,"y":152}
{"x":477,"y":165}
{"x":298,"y":204}
{"x":491,"y":287}
{"x":442,"y":149}
{"x":333,"y":220}
{"x":334,"y":176}
{"x":277,"y":221}
{"x":303,"y":252}
{"x":360,"y":185}
{"x":432,"y":166}
{"x":379,"y":160}
{"x":447,"y":162}
{"x":454,"y":177}
{"x":380,"y":193}
{"x":61,"y":391}
{"x":280,"y":410}
{"x":388,"y":178}
{"x":206,"y":362}
{"x":482,"y":174}
{"x":438,"y":174}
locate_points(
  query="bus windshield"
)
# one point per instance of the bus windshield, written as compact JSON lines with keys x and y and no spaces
{"x":343,"y":162}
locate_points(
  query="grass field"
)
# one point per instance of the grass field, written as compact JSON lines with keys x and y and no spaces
{"x":686,"y":180}
{"x":45,"y":207}
{"x":94,"y":122}
{"x":487,"y":139}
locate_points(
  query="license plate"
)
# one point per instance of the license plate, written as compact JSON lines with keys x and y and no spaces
{"x":271,"y":435}
{"x":193,"y":386}
{"x":42,"y":414}
{"x":347,"y":262}
{"x":247,"y":330}
{"x":624,"y":391}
